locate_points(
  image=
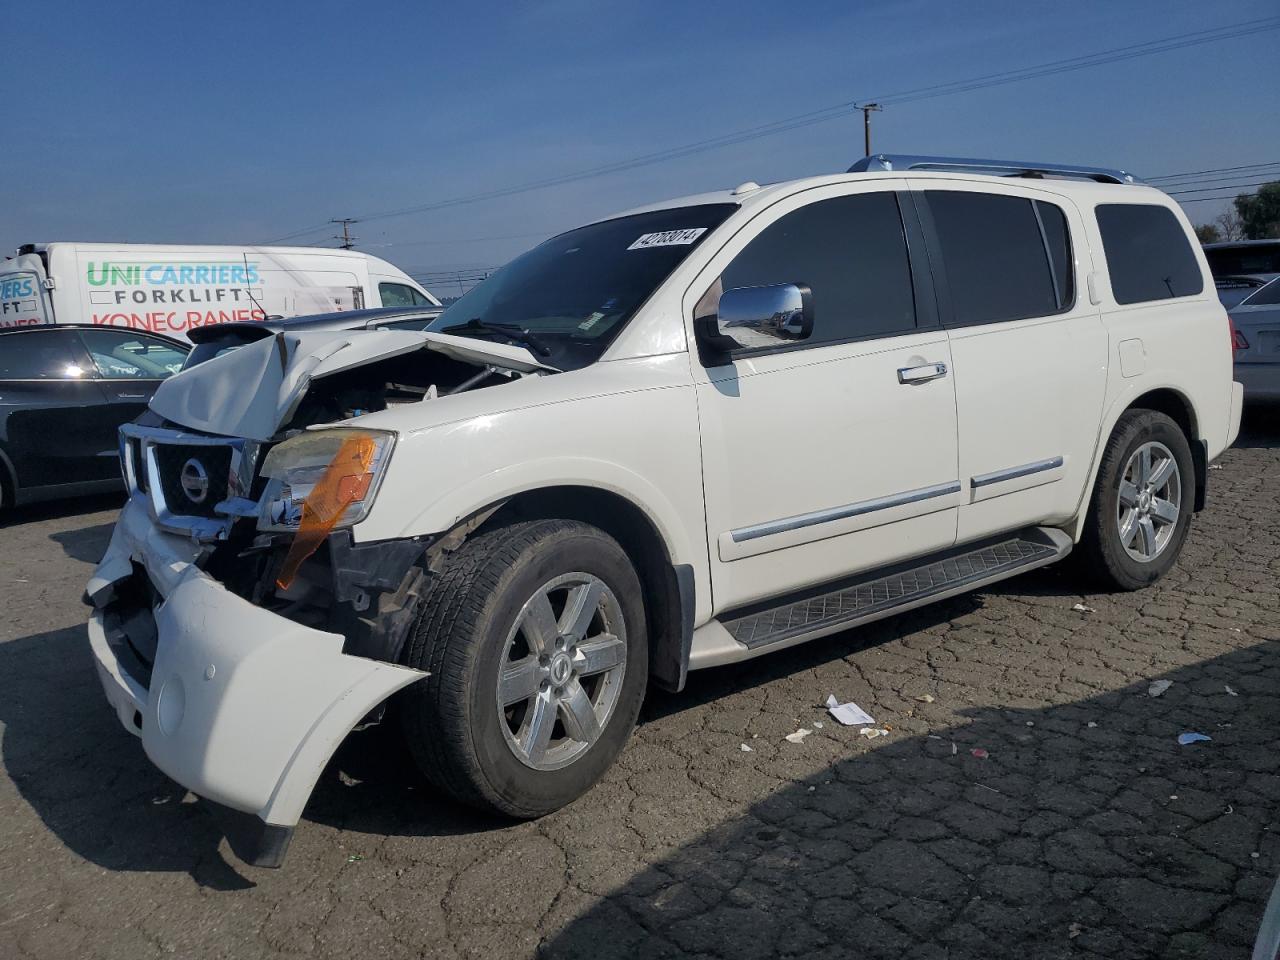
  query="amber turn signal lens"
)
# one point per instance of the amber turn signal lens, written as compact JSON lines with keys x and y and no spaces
{"x":345,"y":481}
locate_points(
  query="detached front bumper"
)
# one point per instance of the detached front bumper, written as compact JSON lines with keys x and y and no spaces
{"x":242,"y":706}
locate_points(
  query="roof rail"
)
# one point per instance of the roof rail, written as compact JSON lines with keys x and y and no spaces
{"x":1004,"y":168}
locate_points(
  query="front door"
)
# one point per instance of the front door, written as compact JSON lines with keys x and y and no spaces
{"x":836,"y":454}
{"x":129,"y":365}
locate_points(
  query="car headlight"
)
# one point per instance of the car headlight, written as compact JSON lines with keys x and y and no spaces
{"x":317,"y":482}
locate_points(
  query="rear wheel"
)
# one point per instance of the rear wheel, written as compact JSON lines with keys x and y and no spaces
{"x":1142,"y":502}
{"x":534,"y":636}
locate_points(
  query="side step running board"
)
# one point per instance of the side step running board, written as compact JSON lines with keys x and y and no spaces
{"x":882,"y":593}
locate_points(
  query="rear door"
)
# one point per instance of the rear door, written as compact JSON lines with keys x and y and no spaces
{"x":1029,"y":350}
{"x":48,"y":406}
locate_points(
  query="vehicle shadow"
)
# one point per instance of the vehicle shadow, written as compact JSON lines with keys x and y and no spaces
{"x":1260,"y":427}
{"x":56,"y":509}
{"x":86,"y":544}
{"x":91,"y":784}
{"x":1078,"y":829}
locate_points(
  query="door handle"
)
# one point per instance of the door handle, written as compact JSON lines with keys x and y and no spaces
{"x":131,"y":396}
{"x":923,"y":374}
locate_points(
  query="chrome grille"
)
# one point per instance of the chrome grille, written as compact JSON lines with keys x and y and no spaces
{"x":195,"y":484}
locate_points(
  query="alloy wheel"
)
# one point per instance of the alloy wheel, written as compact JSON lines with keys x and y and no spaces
{"x":561,"y":672}
{"x":1150,"y":501}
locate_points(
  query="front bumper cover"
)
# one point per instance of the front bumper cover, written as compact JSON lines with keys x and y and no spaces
{"x":244,"y":707}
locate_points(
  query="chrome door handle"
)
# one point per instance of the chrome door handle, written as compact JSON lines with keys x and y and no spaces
{"x":930,"y":371}
{"x":131,"y":396}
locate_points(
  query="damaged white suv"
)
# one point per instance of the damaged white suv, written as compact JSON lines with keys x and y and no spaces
{"x":677,"y":438}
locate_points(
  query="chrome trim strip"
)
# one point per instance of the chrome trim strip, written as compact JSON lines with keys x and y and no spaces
{"x":1012,"y":473}
{"x":842,"y":513}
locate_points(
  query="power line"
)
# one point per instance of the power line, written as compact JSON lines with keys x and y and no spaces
{"x":1206,"y":199}
{"x":1194,"y":173}
{"x":835,"y":111}
{"x":1234,"y":186}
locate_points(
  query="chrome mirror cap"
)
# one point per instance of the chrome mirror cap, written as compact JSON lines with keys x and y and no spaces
{"x":769,"y":316}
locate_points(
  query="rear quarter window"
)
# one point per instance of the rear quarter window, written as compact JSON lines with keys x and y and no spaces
{"x":1148,"y":254}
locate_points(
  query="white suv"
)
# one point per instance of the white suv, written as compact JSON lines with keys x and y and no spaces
{"x":677,"y":438}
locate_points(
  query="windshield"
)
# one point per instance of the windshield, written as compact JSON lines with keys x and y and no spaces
{"x":1227,"y":261}
{"x":575,"y":292}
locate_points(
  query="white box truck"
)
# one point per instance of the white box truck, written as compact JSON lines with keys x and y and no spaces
{"x":171,"y":289}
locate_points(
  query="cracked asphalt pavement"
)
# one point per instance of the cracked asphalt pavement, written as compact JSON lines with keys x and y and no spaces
{"x":1084,"y":830}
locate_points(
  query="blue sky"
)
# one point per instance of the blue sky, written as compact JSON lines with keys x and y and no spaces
{"x":245,"y":121}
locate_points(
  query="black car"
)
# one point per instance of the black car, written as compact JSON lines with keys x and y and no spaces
{"x":212,"y":341}
{"x":64,"y":391}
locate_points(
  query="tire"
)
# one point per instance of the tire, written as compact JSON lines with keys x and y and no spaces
{"x":481,"y":616}
{"x":1131,"y":536}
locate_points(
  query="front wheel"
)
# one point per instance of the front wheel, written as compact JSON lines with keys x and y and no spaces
{"x":1142,"y":502}
{"x":534,"y":637}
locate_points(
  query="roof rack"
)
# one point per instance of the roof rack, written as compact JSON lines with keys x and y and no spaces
{"x":1004,"y":168}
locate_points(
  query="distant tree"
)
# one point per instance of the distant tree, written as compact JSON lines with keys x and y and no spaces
{"x":1229,"y":226}
{"x":1260,"y":212}
{"x":1208,"y":233}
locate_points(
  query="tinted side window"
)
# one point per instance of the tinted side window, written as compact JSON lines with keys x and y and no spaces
{"x":39,"y":355}
{"x":996,"y":263}
{"x":851,"y":252}
{"x":128,"y":356}
{"x":1148,"y":255}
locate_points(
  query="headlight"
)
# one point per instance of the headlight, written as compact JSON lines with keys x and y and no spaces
{"x":319,"y":481}
{"x":324,"y":477}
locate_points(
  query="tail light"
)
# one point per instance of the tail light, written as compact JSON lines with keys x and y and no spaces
{"x":1238,"y":342}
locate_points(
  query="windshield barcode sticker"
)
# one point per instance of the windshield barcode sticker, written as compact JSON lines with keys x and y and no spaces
{"x":668,"y":238}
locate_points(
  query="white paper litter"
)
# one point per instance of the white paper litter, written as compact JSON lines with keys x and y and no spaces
{"x":1158,"y":687}
{"x":850,"y":714}
{"x":1082,"y":608}
{"x":925,"y":698}
{"x":799,"y":735}
{"x":1227,"y":687}
{"x":872,"y":732}
{"x":744,"y":748}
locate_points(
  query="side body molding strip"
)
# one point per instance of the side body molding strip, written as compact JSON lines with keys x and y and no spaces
{"x":1012,"y":473}
{"x":841,"y":513}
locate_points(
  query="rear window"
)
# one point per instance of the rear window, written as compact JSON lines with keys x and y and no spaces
{"x":998,"y":252}
{"x":228,"y":341}
{"x":1148,"y":254}
{"x":1231,"y":261}
{"x":1266,"y":297}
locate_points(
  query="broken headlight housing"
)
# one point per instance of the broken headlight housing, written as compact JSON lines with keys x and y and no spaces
{"x":323,"y":479}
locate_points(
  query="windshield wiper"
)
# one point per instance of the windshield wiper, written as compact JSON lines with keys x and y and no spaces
{"x":509,"y":330}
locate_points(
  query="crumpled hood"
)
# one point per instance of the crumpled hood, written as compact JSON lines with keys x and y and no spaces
{"x":252,"y":390}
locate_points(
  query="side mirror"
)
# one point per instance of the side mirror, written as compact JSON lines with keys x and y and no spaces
{"x":754,"y":318}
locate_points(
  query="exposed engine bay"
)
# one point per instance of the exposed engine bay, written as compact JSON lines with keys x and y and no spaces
{"x":229,"y":416}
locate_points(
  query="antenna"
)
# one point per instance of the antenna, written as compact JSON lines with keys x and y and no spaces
{"x":249,"y":290}
{"x":348,"y":241}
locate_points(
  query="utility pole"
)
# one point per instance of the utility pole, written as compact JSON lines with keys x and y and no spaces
{"x":348,"y":241}
{"x":867,"y":109}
